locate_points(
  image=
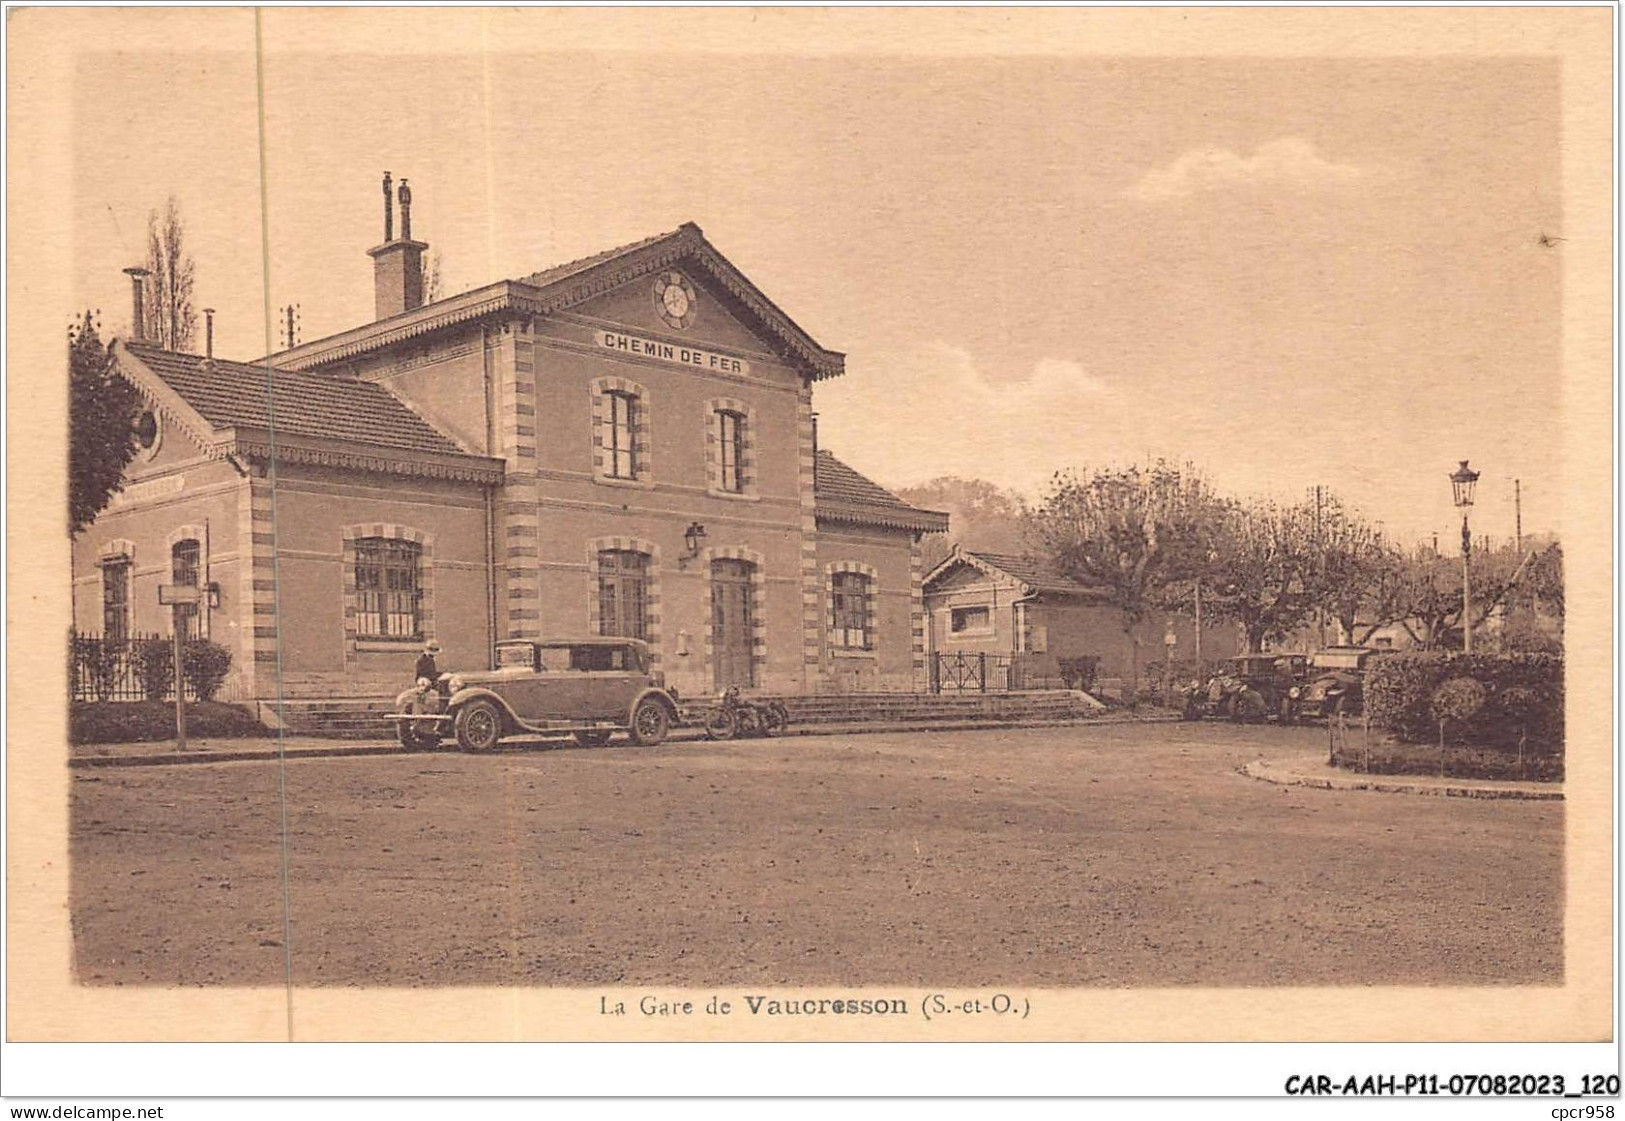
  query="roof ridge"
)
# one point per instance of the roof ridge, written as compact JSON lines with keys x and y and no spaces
{"x":554,"y":273}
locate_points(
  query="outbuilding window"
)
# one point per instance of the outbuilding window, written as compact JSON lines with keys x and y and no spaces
{"x":970,"y":620}
{"x":623,"y":593}
{"x":387,"y":586}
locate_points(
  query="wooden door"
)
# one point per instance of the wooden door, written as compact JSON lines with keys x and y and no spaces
{"x":732,"y":624}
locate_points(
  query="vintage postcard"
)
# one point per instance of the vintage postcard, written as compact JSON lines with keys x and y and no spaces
{"x":755,"y":525}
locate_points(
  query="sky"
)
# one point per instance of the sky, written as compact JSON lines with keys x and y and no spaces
{"x":1289,"y":272}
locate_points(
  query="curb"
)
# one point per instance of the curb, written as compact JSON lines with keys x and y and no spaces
{"x":1263,"y":771}
{"x":339,"y":750}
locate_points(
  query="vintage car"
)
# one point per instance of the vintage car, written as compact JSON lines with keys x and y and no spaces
{"x":590,"y":688}
{"x":1336,"y":683}
{"x":1247,"y":687}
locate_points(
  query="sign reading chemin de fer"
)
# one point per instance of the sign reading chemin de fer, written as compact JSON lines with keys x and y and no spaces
{"x":671,"y":352}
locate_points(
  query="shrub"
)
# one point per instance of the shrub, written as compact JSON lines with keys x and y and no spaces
{"x":155,"y":667}
{"x":95,"y":664}
{"x":1079,"y":672}
{"x":1459,"y":699}
{"x":141,"y":721}
{"x":1382,"y":756}
{"x":206,"y":664}
{"x":1522,"y":697}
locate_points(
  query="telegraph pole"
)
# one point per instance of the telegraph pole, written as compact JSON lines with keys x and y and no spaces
{"x":1517,"y":512}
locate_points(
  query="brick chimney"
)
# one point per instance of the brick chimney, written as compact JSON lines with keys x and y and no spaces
{"x":397,"y":264}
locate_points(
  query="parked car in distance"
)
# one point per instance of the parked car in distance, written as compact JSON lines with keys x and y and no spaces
{"x":1247,"y":687}
{"x":590,"y":688}
{"x":1336,"y":683}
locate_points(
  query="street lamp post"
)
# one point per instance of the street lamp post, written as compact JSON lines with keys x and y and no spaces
{"x":1462,"y":482}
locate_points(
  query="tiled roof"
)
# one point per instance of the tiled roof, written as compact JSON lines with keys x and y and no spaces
{"x":559,"y":272}
{"x":841,"y":492}
{"x":1029,"y":570}
{"x":327,"y":406}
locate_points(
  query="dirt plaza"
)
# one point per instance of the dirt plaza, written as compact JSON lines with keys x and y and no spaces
{"x":1133,"y":855}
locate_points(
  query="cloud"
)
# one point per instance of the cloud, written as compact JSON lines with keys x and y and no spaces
{"x":940,"y":414}
{"x":1289,"y":162}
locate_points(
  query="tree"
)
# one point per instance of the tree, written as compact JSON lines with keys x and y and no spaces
{"x":1422,"y":592}
{"x":432,"y":283}
{"x":1265,"y":570}
{"x":980,"y":514}
{"x":1545,"y":579}
{"x":1131,"y":532}
{"x":171,"y":321}
{"x":102,"y":411}
{"x":1349,"y":563}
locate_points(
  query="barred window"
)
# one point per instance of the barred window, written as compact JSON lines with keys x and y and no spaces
{"x":387,"y":588}
{"x":116,"y":599}
{"x":849,"y":593}
{"x":620,"y":434}
{"x":731,"y":441}
{"x":623,"y":593}
{"x":186,"y":567}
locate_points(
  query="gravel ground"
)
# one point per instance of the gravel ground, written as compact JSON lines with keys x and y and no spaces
{"x":1123,"y":856}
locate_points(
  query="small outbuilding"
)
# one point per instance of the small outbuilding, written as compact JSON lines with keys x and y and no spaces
{"x":1012,"y":614}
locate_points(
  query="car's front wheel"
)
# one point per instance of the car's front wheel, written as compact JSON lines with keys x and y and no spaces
{"x":650,"y":722}
{"x":478,"y":726}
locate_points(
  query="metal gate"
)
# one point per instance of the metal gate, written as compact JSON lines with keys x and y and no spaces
{"x":975,"y":673}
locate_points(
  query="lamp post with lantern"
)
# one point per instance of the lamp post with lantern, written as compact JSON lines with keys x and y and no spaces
{"x":1462,"y":482}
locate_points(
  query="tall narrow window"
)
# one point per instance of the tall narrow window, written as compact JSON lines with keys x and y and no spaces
{"x":186,"y":567}
{"x":849,"y":592}
{"x":387,"y":588}
{"x":731,"y":440}
{"x":623,"y":593}
{"x":620,"y":434}
{"x":116,"y":599}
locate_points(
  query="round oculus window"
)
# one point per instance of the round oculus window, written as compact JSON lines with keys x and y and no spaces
{"x":146,"y":429}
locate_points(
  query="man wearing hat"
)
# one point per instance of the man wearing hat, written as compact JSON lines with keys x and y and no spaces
{"x":427,"y":672}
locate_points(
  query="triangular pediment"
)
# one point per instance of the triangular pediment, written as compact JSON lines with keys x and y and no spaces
{"x":617,"y":285}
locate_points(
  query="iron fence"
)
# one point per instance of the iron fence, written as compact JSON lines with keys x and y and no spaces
{"x":137,"y":668}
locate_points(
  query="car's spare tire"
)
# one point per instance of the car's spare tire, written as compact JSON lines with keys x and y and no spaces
{"x":478,"y":726}
{"x":650,"y":722}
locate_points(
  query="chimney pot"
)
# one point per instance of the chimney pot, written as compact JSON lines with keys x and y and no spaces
{"x":138,"y":328}
{"x":389,"y":212}
{"x":406,"y":210}
{"x":208,"y":334}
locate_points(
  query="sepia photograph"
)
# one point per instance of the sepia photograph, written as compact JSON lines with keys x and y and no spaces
{"x":811,"y":524}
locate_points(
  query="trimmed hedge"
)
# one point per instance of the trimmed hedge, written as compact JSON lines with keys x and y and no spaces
{"x":1522,"y":699}
{"x":144,"y":721}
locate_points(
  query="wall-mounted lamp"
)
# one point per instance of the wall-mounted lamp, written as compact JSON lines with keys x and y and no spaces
{"x":211,"y":593}
{"x":693,"y":539}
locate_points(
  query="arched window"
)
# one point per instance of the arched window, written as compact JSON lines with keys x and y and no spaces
{"x":388,"y":588}
{"x":623,"y":593}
